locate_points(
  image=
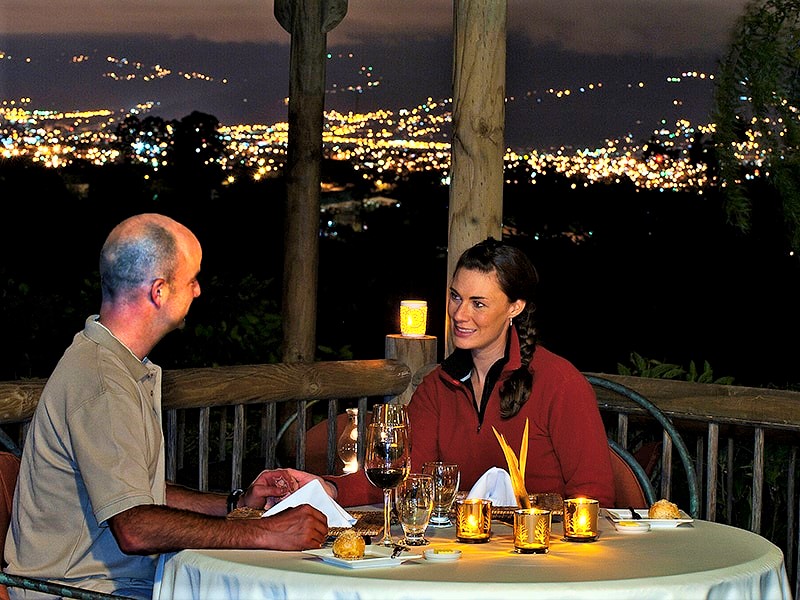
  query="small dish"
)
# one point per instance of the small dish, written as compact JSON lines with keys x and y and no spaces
{"x":620,"y":514}
{"x":374,"y":556}
{"x":442,"y":554}
{"x":631,"y":527}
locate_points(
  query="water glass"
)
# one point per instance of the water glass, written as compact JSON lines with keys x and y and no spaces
{"x":414,"y":503}
{"x":446,"y":479}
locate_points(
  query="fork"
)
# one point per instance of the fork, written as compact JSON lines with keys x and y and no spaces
{"x":398,"y":548}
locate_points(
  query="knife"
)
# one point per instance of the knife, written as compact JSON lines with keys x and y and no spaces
{"x":634,"y":515}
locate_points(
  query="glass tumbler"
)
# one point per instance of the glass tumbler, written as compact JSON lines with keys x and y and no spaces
{"x":446,"y":479}
{"x":413,"y":500}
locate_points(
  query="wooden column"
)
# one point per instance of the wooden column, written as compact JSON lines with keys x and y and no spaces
{"x":308,"y":21}
{"x":479,"y":89}
{"x":418,"y":354}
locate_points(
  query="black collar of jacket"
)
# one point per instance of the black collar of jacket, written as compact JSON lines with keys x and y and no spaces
{"x":459,"y":366}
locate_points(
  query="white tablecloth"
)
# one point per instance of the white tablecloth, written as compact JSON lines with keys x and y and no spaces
{"x":707,"y":560}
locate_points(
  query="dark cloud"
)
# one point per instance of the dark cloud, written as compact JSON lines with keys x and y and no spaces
{"x":586,"y":26}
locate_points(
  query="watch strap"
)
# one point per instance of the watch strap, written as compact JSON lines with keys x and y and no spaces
{"x":233,"y":498}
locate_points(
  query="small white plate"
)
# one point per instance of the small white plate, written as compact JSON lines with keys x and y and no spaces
{"x":623,"y":514}
{"x":442,"y":554}
{"x":631,"y":527}
{"x":374,"y":556}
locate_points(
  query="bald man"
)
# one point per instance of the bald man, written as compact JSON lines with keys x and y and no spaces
{"x":92,"y":508}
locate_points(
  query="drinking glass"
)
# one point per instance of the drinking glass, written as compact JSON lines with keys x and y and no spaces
{"x":414,"y":502}
{"x":392,"y":413}
{"x":386,"y":464}
{"x":446,"y":479}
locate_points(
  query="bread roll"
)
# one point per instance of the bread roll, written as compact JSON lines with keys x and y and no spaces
{"x":349,"y":544}
{"x":664,"y":509}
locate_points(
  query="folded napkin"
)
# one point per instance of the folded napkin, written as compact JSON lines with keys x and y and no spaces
{"x":314,"y":494}
{"x":495,"y":485}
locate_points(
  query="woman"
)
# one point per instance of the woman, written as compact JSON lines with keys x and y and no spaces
{"x":498,"y":376}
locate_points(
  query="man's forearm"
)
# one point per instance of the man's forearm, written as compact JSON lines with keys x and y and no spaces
{"x":207,"y":503}
{"x":154,"y":529}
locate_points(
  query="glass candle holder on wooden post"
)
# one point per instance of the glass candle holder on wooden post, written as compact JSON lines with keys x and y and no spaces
{"x":413,"y":318}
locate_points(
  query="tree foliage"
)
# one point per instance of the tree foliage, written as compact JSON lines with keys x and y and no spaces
{"x":757,"y":98}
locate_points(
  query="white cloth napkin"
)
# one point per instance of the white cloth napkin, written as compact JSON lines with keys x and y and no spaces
{"x":314,"y":494}
{"x":495,"y":485}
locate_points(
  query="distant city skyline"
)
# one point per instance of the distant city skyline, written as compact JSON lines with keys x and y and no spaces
{"x":617,"y":69}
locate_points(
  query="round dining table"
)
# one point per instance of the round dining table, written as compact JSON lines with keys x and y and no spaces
{"x":700,"y":559}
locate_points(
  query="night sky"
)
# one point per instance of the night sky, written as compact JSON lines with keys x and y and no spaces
{"x":406,"y":45}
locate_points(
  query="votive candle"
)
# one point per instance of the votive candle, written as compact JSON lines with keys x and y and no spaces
{"x":580,"y":519}
{"x":473,"y":520}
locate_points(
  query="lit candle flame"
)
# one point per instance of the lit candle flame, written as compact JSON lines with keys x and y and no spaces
{"x":472,"y":523}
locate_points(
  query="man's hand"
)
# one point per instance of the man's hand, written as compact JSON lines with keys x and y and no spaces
{"x":270,"y":487}
{"x":273,"y":485}
{"x":302,"y":478}
{"x":299,"y":528}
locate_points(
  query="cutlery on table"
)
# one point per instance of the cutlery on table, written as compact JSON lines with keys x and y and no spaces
{"x":398,"y":548}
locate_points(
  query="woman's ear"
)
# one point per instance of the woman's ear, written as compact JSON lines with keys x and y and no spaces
{"x":516,"y":307}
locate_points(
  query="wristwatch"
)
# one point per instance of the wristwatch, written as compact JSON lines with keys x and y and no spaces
{"x":233,"y":498}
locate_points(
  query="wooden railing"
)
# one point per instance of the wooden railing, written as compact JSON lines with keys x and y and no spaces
{"x":708,"y":416}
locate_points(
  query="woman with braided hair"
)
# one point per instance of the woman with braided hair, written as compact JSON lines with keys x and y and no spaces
{"x":498,"y":376}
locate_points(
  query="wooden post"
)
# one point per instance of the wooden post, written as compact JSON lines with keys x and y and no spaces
{"x":308,"y":21}
{"x":417,"y":353}
{"x":479,"y":89}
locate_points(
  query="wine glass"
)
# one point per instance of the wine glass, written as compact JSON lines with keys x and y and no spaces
{"x":386,"y":464}
{"x":392,"y":413}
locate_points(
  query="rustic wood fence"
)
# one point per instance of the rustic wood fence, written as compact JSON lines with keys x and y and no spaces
{"x":718,"y":423}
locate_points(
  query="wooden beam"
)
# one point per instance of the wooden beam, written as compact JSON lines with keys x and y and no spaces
{"x":479,"y":90}
{"x":308,"y":22}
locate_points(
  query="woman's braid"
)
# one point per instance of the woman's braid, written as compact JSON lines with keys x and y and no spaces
{"x":517,"y":388}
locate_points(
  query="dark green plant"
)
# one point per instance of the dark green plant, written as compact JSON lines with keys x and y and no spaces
{"x":757,"y":96}
{"x":648,"y":367}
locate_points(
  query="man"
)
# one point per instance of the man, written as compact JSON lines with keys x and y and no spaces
{"x":92,"y":508}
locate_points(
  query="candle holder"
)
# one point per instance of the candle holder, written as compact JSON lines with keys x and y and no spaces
{"x":532,"y":531}
{"x":413,"y":318}
{"x":473,"y":520}
{"x":580,"y":519}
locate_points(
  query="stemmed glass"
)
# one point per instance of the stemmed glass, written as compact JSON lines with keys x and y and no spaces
{"x":387,"y":461}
